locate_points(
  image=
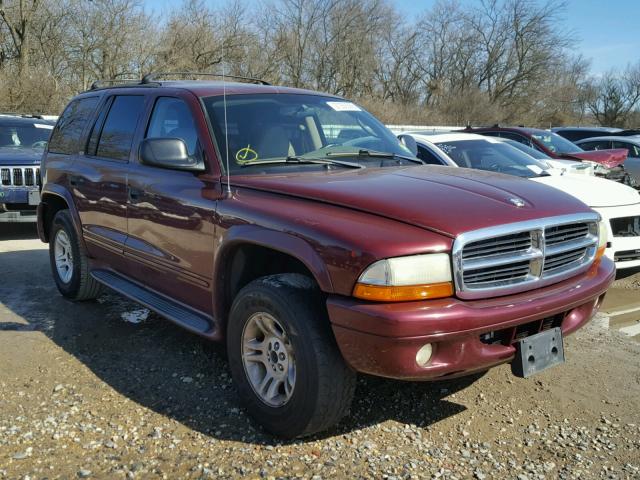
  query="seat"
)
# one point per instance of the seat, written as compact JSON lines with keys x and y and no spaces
{"x":274,"y":143}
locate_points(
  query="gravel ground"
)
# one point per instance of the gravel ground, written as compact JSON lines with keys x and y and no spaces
{"x":96,"y":390}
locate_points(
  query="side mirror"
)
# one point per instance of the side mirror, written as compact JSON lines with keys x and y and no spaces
{"x":169,"y":153}
{"x":409,"y":142}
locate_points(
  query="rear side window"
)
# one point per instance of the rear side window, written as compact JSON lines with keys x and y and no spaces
{"x":119,"y":127}
{"x":517,"y":137}
{"x":426,"y":156}
{"x":596,"y":145}
{"x":65,"y":137}
{"x":634,"y":150}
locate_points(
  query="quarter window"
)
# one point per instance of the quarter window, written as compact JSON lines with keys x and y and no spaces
{"x":171,"y":118}
{"x":119,"y":127}
{"x":65,"y":137}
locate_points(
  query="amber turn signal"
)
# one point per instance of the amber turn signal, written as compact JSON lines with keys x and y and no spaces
{"x":404,"y":293}
{"x":600,"y":252}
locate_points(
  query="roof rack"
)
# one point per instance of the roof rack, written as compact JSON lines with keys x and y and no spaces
{"x":125,"y":82}
{"x":155,"y":76}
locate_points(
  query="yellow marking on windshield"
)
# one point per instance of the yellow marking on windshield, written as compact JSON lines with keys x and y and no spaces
{"x":246,"y":154}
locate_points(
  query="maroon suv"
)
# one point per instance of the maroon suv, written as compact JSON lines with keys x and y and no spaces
{"x":297,"y":228}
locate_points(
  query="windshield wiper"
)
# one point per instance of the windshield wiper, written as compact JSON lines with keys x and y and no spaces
{"x":374,"y":154}
{"x":302,"y":160}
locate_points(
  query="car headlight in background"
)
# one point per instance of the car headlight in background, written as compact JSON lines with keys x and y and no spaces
{"x":401,"y":279}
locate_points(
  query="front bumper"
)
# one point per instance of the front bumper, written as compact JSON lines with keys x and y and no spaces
{"x":625,"y":251}
{"x":18,"y":204}
{"x":383,"y":339}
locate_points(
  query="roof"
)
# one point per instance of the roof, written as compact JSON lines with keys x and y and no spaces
{"x":595,"y":129}
{"x":15,"y":120}
{"x":204,"y":88}
{"x":635,"y":139}
{"x":498,"y":128}
{"x":451,"y":137}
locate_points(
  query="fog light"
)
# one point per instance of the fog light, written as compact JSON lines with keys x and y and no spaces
{"x":424,"y":355}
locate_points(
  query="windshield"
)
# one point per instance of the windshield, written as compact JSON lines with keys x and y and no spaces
{"x":25,"y":136}
{"x":268,"y":127}
{"x":556,"y":143}
{"x":493,"y":157}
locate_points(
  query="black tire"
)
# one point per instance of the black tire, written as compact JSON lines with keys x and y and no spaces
{"x":324,"y":384}
{"x":81,"y":285}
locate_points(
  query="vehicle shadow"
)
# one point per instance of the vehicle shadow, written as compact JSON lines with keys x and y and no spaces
{"x":18,"y":231}
{"x":177,"y":374}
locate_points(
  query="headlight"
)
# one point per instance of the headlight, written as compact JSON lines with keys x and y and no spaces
{"x":416,"y":277}
{"x":602,"y":239}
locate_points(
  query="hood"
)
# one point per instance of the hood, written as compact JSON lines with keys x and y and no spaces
{"x":593,"y":191}
{"x":446,"y":200}
{"x":20,"y":156}
{"x":609,"y":158}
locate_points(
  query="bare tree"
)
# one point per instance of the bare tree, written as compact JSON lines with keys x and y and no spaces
{"x":615,"y":96}
{"x":16,"y":18}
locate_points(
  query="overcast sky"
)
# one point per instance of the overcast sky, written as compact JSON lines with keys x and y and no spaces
{"x":607,"y":31}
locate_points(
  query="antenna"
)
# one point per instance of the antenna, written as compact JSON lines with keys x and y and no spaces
{"x":226,"y":130}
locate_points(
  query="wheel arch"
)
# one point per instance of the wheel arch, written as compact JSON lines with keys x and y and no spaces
{"x":248,"y":252}
{"x":53,"y":199}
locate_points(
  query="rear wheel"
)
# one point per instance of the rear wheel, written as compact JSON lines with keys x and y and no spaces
{"x":284,"y":359}
{"x":69,"y":262}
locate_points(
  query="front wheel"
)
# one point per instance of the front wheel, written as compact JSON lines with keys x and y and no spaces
{"x":284,"y":359}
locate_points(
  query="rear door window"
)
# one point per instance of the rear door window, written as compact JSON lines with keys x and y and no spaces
{"x":517,"y":137}
{"x":119,"y":127}
{"x":65,"y":137}
{"x":596,"y":145}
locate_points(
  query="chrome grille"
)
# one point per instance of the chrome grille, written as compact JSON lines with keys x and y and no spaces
{"x":19,"y":176}
{"x":520,"y":256}
{"x":565,"y":233}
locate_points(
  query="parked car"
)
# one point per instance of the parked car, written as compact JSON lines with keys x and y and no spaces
{"x":22,"y":142}
{"x":608,"y":163}
{"x":574,"y":134}
{"x":569,"y":166}
{"x":241,"y":213}
{"x":618,"y":205}
{"x":631,"y":144}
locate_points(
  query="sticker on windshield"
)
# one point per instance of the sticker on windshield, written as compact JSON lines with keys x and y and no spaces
{"x":344,"y":106}
{"x":245,"y":155}
{"x":535,"y":169}
{"x":42,"y":125}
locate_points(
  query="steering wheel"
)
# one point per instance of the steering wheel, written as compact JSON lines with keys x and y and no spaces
{"x":39,"y":144}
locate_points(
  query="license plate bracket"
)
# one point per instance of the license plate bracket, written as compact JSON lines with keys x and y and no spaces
{"x":538,"y":352}
{"x":34,"y":197}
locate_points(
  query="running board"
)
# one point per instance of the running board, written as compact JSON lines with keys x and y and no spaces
{"x":179,"y":314}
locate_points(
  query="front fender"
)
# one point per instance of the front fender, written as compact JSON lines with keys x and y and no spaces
{"x":280,"y":241}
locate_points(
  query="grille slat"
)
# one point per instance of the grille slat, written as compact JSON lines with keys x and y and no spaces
{"x":512,"y":261}
{"x":20,"y":176}
{"x":509,"y":243}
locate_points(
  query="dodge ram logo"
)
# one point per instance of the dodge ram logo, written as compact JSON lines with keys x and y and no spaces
{"x":517,"y":202}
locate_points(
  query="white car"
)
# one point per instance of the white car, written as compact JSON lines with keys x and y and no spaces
{"x":618,"y":205}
